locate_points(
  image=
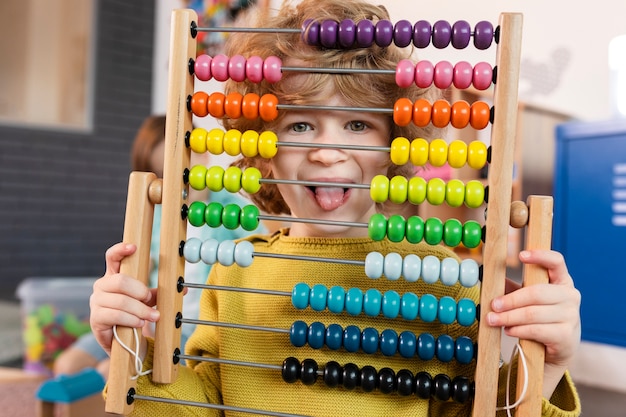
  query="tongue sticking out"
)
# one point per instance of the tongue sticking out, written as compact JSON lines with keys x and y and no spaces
{"x":329,"y":198}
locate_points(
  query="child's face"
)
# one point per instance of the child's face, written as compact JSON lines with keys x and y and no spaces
{"x":330,"y":165}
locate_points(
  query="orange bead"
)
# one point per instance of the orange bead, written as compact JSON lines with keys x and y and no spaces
{"x":250,"y":106}
{"x":441,"y":113}
{"x":268,"y":107}
{"x":198,"y":104}
{"x":479,"y":115}
{"x":402,"y":112}
{"x":460,"y":116}
{"x":216,"y":104}
{"x":232,"y":105}
{"x":421,"y":112}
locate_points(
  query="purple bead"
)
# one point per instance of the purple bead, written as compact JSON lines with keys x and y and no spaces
{"x":311,"y":32}
{"x":421,"y":34}
{"x":442,"y":33}
{"x":383,"y":35}
{"x":403,"y":33}
{"x":347,"y":33}
{"x":483,"y":35}
{"x":461,"y":34}
{"x":364,"y":33}
{"x":328,"y":33}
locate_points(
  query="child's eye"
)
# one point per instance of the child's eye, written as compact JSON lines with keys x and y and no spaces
{"x":357,"y":126}
{"x":300,"y":127}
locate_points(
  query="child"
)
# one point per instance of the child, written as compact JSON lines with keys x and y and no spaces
{"x":548,"y":314}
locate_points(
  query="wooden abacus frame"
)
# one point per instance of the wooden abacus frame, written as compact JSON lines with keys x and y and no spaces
{"x":145,"y":190}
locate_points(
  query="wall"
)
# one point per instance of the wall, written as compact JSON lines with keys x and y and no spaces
{"x":62,"y":194}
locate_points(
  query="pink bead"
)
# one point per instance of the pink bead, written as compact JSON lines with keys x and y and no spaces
{"x":202,"y":67}
{"x":219,"y":67}
{"x":443,"y":74}
{"x":405,"y":73}
{"x":272,"y":69}
{"x":462,"y":75}
{"x":237,"y":68}
{"x":483,"y":73}
{"x":424,"y":73}
{"x":254,"y":69}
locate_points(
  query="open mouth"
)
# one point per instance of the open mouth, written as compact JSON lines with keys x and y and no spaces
{"x":330,"y":198}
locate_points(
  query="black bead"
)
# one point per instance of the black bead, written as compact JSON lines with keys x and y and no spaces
{"x":351,"y":376}
{"x":405,"y":382}
{"x":423,"y":385}
{"x":460,"y":389}
{"x":308,"y":372}
{"x":368,"y":378}
{"x":291,"y":370}
{"x":332,"y":374}
{"x":386,"y":380}
{"x":443,"y":387}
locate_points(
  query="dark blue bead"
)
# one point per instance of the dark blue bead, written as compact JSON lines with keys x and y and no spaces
{"x":389,"y":342}
{"x":426,"y":346}
{"x":407,"y":344}
{"x":297,"y":334}
{"x":369,"y":340}
{"x":464,"y":349}
{"x":445,"y":348}
{"x":334,"y":336}
{"x":351,"y":338}
{"x":315,"y":336}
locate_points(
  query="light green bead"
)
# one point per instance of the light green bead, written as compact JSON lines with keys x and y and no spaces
{"x":232,"y":179}
{"x":455,"y":193}
{"x":436,"y":191}
{"x":215,"y":178}
{"x":398,"y":189}
{"x":379,"y":189}
{"x":251,"y":180}
{"x":197,"y":177}
{"x":474,"y":194}
{"x":417,"y":190}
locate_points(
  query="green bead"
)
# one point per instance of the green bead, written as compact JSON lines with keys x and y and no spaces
{"x":215,"y":178}
{"x":213,"y":214}
{"x":433,"y":231}
{"x":452,"y":232}
{"x":232,"y":179}
{"x":436,"y":191}
{"x":230,"y":216}
{"x":197,"y":177}
{"x":251,"y":180}
{"x":455,"y":193}
{"x":396,"y":227}
{"x":398,"y":189}
{"x":377,"y":227}
{"x":417,"y":190}
{"x":474,"y":194}
{"x":414,"y":229}
{"x":472,"y":234}
{"x":249,"y":217}
{"x":196,"y":213}
{"x":379,"y":189}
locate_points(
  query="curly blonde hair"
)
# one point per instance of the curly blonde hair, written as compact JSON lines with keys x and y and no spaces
{"x":359,"y":90}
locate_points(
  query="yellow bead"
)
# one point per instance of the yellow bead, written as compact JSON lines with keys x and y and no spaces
{"x":438,"y":152}
{"x":457,"y":153}
{"x":197,"y":140}
{"x":215,"y":178}
{"x":477,"y":154}
{"x":232,"y":142}
{"x":436,"y":191}
{"x":417,"y":190}
{"x":399,"y":152}
{"x":474,"y":194}
{"x":250,"y":143}
{"x":251,"y":180}
{"x":419,"y":152}
{"x":215,"y":141}
{"x":455,"y":193}
{"x":267,"y":144}
{"x":379,"y":189}
{"x":398,"y":189}
{"x":232,"y":179}
{"x":197,"y":177}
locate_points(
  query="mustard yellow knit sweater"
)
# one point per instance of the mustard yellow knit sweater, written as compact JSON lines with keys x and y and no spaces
{"x":264,"y":389}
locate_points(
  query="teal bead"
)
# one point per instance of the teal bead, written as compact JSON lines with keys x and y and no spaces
{"x":414,"y":229}
{"x":372,"y":302}
{"x":452,"y":233}
{"x":298,"y":333}
{"x":370,"y":340}
{"x":407,"y":344}
{"x":318,"y":297}
{"x":445,"y":348}
{"x":409,"y":306}
{"x":230,"y":216}
{"x":464,"y":350}
{"x":388,"y":342}
{"x":377,"y":227}
{"x":396,"y":227}
{"x":300,"y":296}
{"x":447,"y":310}
{"x":466,"y":312}
{"x":433,"y":231}
{"x":428,"y":308}
{"x":426,"y":346}
{"x":391,"y":304}
{"x":213,"y":214}
{"x":336,"y":299}
{"x":249,"y":217}
{"x":195,"y":213}
{"x":354,"y":301}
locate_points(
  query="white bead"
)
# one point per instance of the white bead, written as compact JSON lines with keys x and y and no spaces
{"x":449,"y":271}
{"x":243,"y":253}
{"x":226,"y":252}
{"x":191,"y":250}
{"x":430,"y":269}
{"x":374,"y":265}
{"x":468,"y":274}
{"x":411,"y":267}
{"x":393,"y":266}
{"x":208,"y":251}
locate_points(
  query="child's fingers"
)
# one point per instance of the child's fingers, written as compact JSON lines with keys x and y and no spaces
{"x":114,"y":256}
{"x":552,"y":261}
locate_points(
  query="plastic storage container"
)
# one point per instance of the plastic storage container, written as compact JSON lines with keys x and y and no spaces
{"x":55,"y":312}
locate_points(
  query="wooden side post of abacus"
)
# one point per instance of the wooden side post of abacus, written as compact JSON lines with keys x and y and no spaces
{"x":538,"y":236}
{"x":504,"y":129}
{"x":138,"y":231}
{"x":175,"y":192}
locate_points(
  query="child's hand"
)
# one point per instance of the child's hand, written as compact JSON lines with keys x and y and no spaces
{"x":546,"y":313}
{"x":119,"y":299}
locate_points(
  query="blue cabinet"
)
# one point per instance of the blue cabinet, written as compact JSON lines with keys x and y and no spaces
{"x":590,"y":222}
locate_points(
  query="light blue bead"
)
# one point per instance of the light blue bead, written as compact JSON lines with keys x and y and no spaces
{"x":407,"y":344}
{"x":426,"y":346}
{"x":445,"y":348}
{"x":389,"y":342}
{"x":208,"y":251}
{"x":431,"y":266}
{"x":449,"y":271}
{"x":411,"y":267}
{"x":464,"y":350}
{"x":318,"y":297}
{"x":466,"y":312}
{"x":392,"y":267}
{"x":226,"y":252}
{"x":447,"y":310}
{"x":428,"y":308}
{"x":372,"y":301}
{"x":391,"y":304}
{"x":468,"y":273}
{"x":191,"y":250}
{"x":336,"y":299}
{"x":374,"y":265}
{"x":300,"y":296}
{"x":354,"y":301}
{"x":409,"y":307}
{"x":243,"y":253}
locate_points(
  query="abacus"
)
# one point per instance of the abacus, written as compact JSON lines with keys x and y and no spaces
{"x":145,"y":190}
